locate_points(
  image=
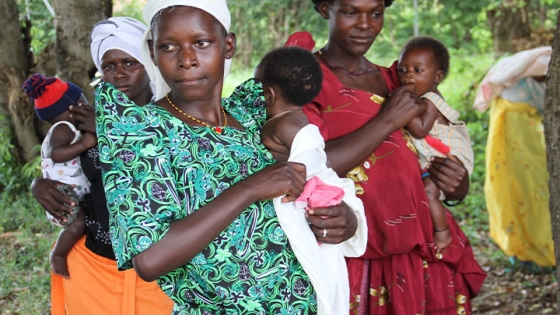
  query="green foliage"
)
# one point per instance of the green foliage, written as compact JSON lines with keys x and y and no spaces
{"x":456,"y":24}
{"x":459,"y":89}
{"x":459,"y":24}
{"x":8,"y":165}
{"x":26,"y":238}
{"x":25,"y":281}
{"x":260,"y":28}
{"x":20,"y":212}
{"x":482,"y":36}
{"x":13,"y":177}
{"x":42,"y":24}
{"x":133,"y":9}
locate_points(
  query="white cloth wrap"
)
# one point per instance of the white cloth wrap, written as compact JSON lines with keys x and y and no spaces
{"x":122,"y":33}
{"x":323,"y":263}
{"x":217,"y":8}
{"x":507,"y":71}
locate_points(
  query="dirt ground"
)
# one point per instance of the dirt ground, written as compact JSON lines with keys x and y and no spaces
{"x":514,"y":289}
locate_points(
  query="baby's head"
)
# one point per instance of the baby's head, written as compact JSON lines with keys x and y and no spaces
{"x":423,"y":63}
{"x":293,"y":73}
{"x":52,"y":97}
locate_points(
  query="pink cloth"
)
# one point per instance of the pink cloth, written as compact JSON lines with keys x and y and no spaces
{"x":317,"y":194}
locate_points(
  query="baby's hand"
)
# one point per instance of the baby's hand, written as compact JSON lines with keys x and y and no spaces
{"x":85,"y":115}
{"x":89,"y":139}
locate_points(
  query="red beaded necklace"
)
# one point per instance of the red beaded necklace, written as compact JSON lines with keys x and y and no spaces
{"x":217,"y":129}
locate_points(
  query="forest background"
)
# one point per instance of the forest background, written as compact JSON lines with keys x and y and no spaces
{"x":40,"y":37}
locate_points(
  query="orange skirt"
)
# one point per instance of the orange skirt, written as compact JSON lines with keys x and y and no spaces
{"x":97,"y":287}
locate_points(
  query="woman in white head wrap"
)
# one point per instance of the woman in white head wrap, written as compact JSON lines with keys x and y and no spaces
{"x":115,"y":46}
{"x":217,"y":8}
{"x":116,"y":51}
{"x":516,"y":185}
{"x":96,"y":286}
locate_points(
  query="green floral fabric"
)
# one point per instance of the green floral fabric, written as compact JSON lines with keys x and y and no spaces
{"x":157,"y":169}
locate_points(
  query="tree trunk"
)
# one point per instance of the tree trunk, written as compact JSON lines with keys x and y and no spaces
{"x":73,"y":36}
{"x":285,"y":20}
{"x":509,"y":22}
{"x":552,"y":138}
{"x":73,"y":21}
{"x":14,"y":66}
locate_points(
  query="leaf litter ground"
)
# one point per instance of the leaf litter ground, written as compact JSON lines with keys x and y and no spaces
{"x":513,"y":288}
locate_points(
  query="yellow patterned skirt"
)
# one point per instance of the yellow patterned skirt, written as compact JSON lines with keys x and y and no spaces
{"x":516,"y":184}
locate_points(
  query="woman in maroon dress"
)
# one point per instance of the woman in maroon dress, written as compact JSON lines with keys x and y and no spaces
{"x":399,"y":273}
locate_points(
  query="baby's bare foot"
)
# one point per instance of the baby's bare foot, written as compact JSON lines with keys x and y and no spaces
{"x":59,"y":265}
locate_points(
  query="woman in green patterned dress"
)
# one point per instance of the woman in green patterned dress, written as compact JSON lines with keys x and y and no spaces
{"x":189,"y":185}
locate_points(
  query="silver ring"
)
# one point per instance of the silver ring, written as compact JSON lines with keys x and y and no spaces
{"x":324,"y":232}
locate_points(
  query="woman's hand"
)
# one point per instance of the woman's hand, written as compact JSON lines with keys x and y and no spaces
{"x":53,"y":200}
{"x":333,"y":225}
{"x":450,"y":176}
{"x":89,"y":139}
{"x":85,"y":115}
{"x":282,"y":178}
{"x":401,"y":106}
{"x":344,"y":153}
{"x":188,"y":236}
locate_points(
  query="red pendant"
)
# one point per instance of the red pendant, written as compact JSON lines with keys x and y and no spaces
{"x":218,"y":130}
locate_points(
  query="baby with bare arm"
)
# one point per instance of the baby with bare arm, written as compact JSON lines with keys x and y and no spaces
{"x":60,"y":154}
{"x":422,"y":66}
{"x":291,"y":78}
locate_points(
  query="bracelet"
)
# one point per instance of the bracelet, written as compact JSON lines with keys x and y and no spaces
{"x":442,"y":230}
{"x":450,"y":204}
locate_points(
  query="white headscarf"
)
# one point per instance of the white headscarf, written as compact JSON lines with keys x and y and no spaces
{"x":217,"y":8}
{"x":527,"y":63}
{"x":122,"y":33}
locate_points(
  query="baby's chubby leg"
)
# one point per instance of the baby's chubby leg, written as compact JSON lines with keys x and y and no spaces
{"x":442,"y":235}
{"x":66,"y":240}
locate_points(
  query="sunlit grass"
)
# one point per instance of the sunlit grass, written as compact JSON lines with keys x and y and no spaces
{"x":26,"y":238}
